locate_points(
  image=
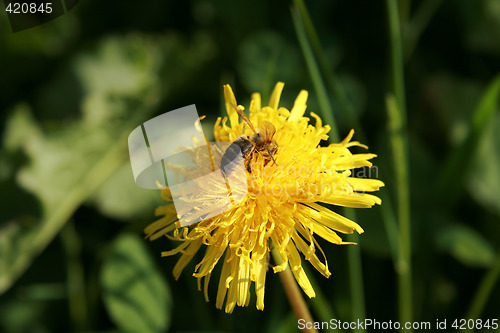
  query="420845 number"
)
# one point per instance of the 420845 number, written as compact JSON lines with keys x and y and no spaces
{"x":29,"y":8}
{"x":478,"y":324}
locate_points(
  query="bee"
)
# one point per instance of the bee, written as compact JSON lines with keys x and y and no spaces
{"x":261,"y":142}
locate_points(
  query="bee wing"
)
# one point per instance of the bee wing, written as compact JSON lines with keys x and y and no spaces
{"x":267,"y":130}
{"x":244,"y":117}
{"x":201,"y":197}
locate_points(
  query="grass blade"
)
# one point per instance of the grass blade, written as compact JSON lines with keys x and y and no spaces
{"x":312,"y":67}
{"x":484,"y":291}
{"x":396,"y":109}
{"x":332,"y":80}
{"x":403,"y":210}
{"x":397,"y":68}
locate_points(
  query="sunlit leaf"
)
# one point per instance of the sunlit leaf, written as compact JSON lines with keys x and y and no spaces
{"x":484,"y":178}
{"x":123,"y":82}
{"x":121,"y":198}
{"x":135,"y":294}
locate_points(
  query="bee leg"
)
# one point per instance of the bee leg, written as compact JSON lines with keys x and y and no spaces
{"x":272,"y":157}
{"x":248,"y":165}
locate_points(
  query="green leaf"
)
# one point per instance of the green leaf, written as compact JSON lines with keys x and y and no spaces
{"x":135,"y":294}
{"x":119,"y":197}
{"x":484,"y":180}
{"x":465,"y":244}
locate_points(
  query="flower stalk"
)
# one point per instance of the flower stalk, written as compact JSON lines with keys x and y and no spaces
{"x":396,"y":108}
{"x":294,"y":294}
{"x":403,"y":212}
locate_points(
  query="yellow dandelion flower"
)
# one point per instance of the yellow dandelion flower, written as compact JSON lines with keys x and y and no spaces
{"x":283,"y":206}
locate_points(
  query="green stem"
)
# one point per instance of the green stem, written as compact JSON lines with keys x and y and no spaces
{"x":312,"y":66}
{"x":403,"y":211}
{"x":483,"y":292}
{"x":76,"y":277}
{"x":332,"y":80}
{"x":397,"y":68}
{"x":404,"y":10}
{"x":293,"y":293}
{"x":396,"y":108}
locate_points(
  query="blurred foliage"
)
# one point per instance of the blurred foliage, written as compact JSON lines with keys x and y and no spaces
{"x":72,"y":90}
{"x":134,"y":291}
